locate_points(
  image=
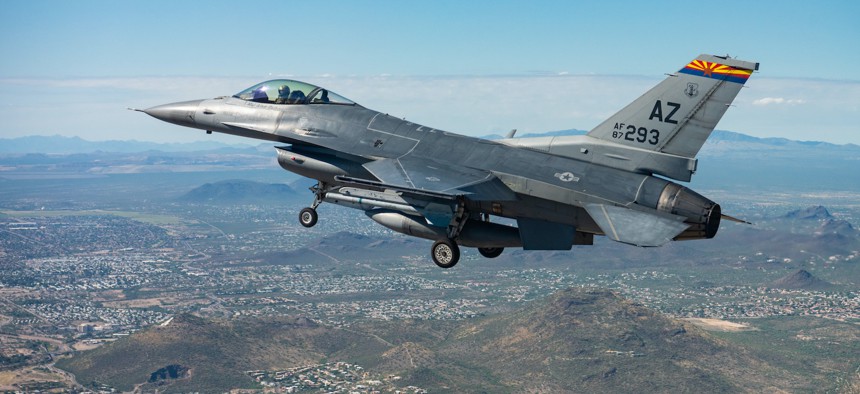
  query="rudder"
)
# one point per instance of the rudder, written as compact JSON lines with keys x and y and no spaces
{"x":679,"y":114}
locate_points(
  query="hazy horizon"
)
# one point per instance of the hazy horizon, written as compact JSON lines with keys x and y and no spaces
{"x":476,"y":69}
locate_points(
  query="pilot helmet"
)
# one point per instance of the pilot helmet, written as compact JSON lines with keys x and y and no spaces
{"x":283,"y":91}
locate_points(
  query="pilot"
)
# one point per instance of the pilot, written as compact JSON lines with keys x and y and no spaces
{"x":283,"y":95}
{"x":297,"y":97}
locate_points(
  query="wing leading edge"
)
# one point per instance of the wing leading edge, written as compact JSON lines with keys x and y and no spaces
{"x":427,"y":175}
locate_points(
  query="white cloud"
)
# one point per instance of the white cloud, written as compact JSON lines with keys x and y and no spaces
{"x":778,"y":100}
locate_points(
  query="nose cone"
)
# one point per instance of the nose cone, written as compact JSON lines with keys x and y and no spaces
{"x":177,"y":113}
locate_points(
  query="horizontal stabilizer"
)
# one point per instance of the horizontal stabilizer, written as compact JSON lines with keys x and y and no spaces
{"x":633,"y":227}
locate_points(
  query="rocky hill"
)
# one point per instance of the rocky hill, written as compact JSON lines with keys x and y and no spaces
{"x":801,"y":279}
{"x":577,"y":340}
{"x":213,"y":354}
{"x":239,"y":191}
{"x":810,"y":213}
{"x":590,"y":340}
{"x":837,"y":227}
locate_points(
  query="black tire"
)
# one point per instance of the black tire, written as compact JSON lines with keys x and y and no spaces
{"x":445,"y":253}
{"x":308,"y":217}
{"x":491,"y":253}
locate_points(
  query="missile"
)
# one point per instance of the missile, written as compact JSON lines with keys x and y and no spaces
{"x":475,"y":233}
{"x":366,"y":204}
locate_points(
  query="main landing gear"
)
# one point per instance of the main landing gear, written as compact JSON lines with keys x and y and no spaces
{"x":445,"y":253}
{"x":491,"y":253}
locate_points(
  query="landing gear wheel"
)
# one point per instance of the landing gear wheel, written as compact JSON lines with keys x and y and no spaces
{"x":445,"y":253}
{"x":308,"y":217}
{"x":491,"y":253}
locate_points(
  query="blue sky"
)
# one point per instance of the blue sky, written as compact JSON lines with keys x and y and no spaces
{"x":71,"y":68}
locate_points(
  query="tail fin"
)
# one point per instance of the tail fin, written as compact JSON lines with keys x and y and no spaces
{"x":678,"y":115}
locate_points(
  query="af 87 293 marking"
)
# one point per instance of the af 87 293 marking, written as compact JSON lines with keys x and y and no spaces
{"x":636,"y":134}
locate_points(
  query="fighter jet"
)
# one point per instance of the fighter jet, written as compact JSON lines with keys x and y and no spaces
{"x":616,"y":181}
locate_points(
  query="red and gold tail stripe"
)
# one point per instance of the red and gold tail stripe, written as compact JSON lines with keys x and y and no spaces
{"x":716,"y":71}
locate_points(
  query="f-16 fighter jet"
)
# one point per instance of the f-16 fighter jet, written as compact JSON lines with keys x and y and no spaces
{"x":616,"y":181}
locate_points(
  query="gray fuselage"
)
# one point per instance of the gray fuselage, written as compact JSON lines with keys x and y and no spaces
{"x":549,"y":187}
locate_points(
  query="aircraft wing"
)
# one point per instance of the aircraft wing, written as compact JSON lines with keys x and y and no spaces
{"x":427,"y":175}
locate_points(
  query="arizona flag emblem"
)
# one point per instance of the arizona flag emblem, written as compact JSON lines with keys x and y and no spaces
{"x":717,"y":71}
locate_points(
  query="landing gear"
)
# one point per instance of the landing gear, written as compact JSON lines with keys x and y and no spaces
{"x":491,"y":253}
{"x":445,"y":253}
{"x":308,"y":217}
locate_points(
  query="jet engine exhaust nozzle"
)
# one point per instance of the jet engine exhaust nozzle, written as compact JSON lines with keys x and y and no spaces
{"x":703,"y":215}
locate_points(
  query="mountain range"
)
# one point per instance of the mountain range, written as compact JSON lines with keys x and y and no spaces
{"x":727,"y":160}
{"x":58,"y":144}
{"x":235,"y":191}
{"x":577,"y":340}
{"x":719,"y":141}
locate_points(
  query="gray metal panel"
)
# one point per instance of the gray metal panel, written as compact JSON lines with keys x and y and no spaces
{"x":543,"y":235}
{"x":389,"y":171}
{"x":383,"y":139}
{"x":426,"y":174}
{"x":697,"y":127}
{"x":438,"y":213}
{"x":610,"y":154}
{"x":634,"y":227}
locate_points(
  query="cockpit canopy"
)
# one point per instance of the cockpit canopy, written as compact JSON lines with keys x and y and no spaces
{"x":287,"y":91}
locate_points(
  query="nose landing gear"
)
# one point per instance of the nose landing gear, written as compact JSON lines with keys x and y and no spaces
{"x":308,"y":216}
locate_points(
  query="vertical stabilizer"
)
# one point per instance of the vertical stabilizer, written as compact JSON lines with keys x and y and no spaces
{"x":678,"y":115}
